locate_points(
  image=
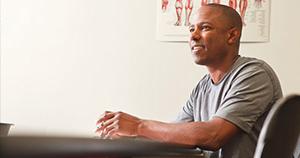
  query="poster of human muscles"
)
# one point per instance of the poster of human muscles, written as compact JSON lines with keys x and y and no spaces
{"x":174,"y":17}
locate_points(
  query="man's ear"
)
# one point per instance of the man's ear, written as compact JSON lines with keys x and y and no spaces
{"x":233,"y":35}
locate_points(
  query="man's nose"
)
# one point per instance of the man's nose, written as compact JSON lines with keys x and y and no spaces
{"x":195,"y":34}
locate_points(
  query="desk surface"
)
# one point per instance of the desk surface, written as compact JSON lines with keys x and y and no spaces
{"x":34,"y":147}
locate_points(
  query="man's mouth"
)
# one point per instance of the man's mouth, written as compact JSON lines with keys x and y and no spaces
{"x":197,"y":47}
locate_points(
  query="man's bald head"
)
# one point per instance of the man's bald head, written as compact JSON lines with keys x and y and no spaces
{"x":228,"y":15}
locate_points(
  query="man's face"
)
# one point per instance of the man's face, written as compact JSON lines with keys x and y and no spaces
{"x":208,"y":37}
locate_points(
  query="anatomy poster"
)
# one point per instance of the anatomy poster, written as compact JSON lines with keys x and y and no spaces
{"x":174,"y":16}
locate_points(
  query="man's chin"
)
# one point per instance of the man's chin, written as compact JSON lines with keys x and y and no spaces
{"x":199,"y":62}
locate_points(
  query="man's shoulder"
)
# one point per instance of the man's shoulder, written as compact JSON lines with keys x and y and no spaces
{"x":249,"y":61}
{"x":249,"y":64}
{"x":255,"y":71}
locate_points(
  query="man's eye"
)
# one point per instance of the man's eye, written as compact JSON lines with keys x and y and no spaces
{"x":205,"y":28}
{"x":191,"y":29}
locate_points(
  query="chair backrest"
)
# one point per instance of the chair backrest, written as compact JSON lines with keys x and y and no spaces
{"x":281,"y":129}
{"x":297,"y":149}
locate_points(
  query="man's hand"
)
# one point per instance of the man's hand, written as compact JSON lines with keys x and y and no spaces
{"x":117,"y":124}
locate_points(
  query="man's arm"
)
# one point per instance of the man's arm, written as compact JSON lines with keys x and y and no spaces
{"x":210,"y":135}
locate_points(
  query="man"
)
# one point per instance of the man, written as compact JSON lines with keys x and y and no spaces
{"x":227,"y":108}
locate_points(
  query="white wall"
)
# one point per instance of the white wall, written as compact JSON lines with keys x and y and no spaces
{"x":63,"y":62}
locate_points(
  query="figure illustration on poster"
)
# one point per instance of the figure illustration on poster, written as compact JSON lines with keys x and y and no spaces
{"x":188,"y":10}
{"x":243,"y":4}
{"x":175,"y":16}
{"x":242,"y":8}
{"x":164,"y":5}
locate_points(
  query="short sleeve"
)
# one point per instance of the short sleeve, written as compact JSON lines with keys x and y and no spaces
{"x":248,"y":98}
{"x":187,"y":112}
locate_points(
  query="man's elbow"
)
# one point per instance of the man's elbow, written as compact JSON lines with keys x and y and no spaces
{"x":213,"y":146}
{"x":219,"y":134}
{"x":211,"y":142}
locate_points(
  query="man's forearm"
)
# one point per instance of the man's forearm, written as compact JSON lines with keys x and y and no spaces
{"x":212,"y":134}
{"x":201,"y":134}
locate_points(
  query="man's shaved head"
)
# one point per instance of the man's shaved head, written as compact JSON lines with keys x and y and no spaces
{"x":230,"y":17}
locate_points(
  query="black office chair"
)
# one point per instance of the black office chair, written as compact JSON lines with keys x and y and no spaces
{"x":280,"y":132}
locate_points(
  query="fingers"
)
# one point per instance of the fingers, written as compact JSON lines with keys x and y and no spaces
{"x":104,"y":117}
{"x":115,"y":124}
{"x":109,"y":131}
{"x":112,"y":127}
{"x":105,"y":124}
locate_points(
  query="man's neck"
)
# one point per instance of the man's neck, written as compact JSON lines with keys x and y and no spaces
{"x":217,"y":72}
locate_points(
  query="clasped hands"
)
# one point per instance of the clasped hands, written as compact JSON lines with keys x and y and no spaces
{"x":117,"y":124}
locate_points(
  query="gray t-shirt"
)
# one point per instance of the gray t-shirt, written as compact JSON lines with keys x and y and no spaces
{"x":244,"y":97}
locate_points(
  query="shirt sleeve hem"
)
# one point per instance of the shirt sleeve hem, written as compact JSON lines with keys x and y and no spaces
{"x":240,"y":124}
